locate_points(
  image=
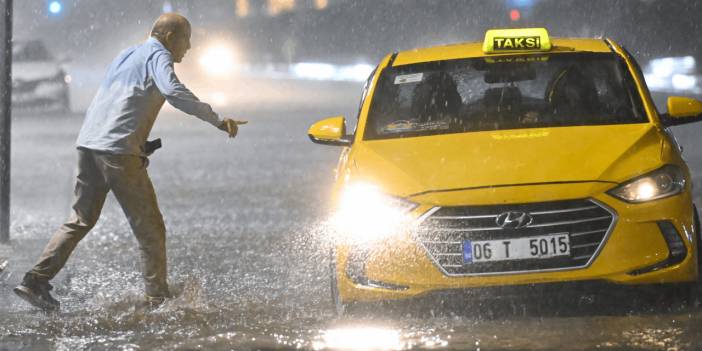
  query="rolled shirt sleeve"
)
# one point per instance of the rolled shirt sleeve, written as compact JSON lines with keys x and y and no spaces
{"x":176,"y":93}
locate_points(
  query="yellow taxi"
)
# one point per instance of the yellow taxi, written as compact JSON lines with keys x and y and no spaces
{"x":523,"y":160}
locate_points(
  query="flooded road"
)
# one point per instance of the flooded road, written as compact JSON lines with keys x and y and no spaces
{"x":247,"y":261}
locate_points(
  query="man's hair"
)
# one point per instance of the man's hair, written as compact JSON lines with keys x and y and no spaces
{"x":169,"y":22}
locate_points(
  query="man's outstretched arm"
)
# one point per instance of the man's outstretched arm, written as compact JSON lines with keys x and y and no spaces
{"x":177,"y":94}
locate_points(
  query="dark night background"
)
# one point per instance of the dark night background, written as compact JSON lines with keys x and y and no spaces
{"x":366,"y":29}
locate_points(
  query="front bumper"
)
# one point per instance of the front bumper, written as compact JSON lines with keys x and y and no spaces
{"x":635,"y":251}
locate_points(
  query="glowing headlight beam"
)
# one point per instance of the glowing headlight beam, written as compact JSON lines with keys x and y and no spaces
{"x":663,"y":182}
{"x":645,"y":191}
{"x":366,"y":214}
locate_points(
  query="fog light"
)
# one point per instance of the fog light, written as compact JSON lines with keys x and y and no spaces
{"x":356,"y":271}
{"x":676,"y":249}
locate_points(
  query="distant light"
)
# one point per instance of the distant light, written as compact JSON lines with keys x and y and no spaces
{"x":667,"y":66}
{"x":358,"y":73}
{"x":55,"y":7}
{"x":689,"y":64}
{"x":242,"y":8}
{"x":663,"y":67}
{"x":276,"y":7}
{"x":218,"y":60}
{"x":684,"y":82}
{"x":167,"y":7}
{"x":317,"y":71}
{"x":656,"y":83}
{"x":521,"y":3}
{"x":321,"y":4}
{"x":515,"y":15}
{"x":68,"y":79}
{"x":327,"y":71}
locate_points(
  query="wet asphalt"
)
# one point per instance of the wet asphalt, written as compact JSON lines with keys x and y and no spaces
{"x":247,"y":260}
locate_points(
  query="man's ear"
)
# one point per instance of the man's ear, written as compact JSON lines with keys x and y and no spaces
{"x":168,"y":38}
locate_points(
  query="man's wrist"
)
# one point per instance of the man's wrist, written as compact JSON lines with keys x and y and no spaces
{"x":220,"y":120}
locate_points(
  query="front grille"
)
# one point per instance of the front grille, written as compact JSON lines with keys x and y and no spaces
{"x":443,"y":232}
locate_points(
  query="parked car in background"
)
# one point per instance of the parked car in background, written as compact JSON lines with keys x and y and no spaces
{"x":38,"y":79}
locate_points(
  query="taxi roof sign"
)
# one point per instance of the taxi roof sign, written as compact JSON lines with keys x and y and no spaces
{"x":516,"y":40}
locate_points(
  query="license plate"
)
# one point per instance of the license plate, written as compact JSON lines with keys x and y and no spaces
{"x":545,"y":246}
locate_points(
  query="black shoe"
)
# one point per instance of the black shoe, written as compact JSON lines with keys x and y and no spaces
{"x":36,"y":292}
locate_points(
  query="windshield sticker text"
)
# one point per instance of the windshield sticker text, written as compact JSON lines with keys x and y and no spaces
{"x":520,"y":59}
{"x":409,"y":78}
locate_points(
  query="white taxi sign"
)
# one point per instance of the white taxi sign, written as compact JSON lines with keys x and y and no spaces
{"x":516,"y":40}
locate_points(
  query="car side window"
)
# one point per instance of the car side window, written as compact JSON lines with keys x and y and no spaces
{"x":364,"y":95}
{"x":639,"y":72}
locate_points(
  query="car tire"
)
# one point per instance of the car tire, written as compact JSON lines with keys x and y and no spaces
{"x":696,"y":288}
{"x":338,"y":306}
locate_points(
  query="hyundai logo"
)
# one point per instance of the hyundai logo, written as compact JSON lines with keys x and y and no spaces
{"x":513,"y":220}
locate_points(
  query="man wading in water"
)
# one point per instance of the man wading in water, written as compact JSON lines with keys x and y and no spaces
{"x":112,"y":157}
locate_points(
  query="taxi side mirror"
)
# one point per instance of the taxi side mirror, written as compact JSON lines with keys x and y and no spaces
{"x":330,"y":131}
{"x":682,"y":110}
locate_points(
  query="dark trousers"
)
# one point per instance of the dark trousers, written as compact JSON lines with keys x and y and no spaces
{"x":126,"y":177}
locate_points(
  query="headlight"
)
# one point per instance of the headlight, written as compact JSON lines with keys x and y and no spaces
{"x":663,"y":182}
{"x":366,"y":214}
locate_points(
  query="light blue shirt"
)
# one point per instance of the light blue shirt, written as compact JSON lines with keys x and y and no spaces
{"x":124,"y":110}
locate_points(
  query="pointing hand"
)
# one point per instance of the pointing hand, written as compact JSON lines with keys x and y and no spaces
{"x":231,"y":126}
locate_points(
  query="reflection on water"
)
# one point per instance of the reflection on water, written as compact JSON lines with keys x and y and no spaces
{"x":367,"y":335}
{"x":359,"y":338}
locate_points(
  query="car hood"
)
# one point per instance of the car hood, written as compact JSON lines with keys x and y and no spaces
{"x":34,"y":70}
{"x":407,"y":166}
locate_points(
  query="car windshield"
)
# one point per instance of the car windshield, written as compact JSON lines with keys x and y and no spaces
{"x":30,"y":51}
{"x":480,"y":94}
